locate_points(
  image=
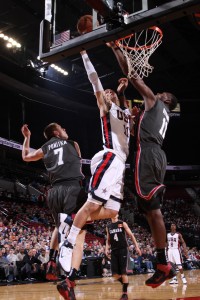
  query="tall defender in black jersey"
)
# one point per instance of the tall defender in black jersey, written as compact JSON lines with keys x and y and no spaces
{"x":116,"y":242}
{"x":62,"y":159}
{"x":150,"y":163}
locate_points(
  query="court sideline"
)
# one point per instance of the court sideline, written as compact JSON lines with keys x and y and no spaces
{"x":109,"y":289}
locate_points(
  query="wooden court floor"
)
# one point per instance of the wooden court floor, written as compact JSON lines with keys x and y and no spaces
{"x":108,"y":289}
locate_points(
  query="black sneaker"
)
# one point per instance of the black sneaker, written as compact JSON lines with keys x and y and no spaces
{"x":51,"y":272}
{"x":162,"y":273}
{"x":66,"y":289}
{"x":124,"y":297}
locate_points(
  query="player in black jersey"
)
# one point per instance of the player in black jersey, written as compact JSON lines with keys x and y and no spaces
{"x":117,"y":233}
{"x":150,"y":163}
{"x":62,"y":159}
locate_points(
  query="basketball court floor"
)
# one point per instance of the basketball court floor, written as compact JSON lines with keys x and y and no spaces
{"x":108,"y":289}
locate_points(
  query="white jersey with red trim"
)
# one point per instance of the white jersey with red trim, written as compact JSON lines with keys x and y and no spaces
{"x":173,"y":240}
{"x":116,"y":131}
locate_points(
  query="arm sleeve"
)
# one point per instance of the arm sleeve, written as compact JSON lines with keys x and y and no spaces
{"x":92,"y":74}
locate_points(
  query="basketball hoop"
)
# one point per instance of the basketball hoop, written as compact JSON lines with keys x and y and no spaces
{"x":137,"y":48}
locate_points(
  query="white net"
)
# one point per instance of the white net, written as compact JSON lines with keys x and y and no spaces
{"x":137,"y":48}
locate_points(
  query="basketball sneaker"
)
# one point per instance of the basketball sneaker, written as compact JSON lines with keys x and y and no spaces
{"x":65,"y":255}
{"x":51,"y":272}
{"x":174,"y":281}
{"x":66,"y":289}
{"x":162,"y":273}
{"x":124,"y":297}
{"x":183,"y":279}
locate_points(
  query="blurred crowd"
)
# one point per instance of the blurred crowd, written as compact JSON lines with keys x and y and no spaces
{"x":26,"y":227}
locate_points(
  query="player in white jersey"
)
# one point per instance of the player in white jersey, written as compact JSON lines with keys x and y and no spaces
{"x":107,"y":166}
{"x":115,"y":131}
{"x":174,"y":242}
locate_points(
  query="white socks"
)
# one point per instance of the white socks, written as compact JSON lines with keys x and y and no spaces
{"x":74,"y":231}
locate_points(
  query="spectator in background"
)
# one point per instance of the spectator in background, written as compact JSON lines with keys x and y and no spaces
{"x":7,"y":267}
{"x":4,"y":252}
{"x":147,"y":261}
{"x":106,"y":266}
{"x":30,"y":266}
{"x":12,"y":257}
{"x":20,"y":254}
{"x":136,"y":259}
{"x":44,"y":258}
{"x":27,"y":247}
{"x":36,"y":252}
{"x":193,"y":261}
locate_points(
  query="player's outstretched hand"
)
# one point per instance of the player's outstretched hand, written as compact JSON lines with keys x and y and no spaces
{"x":123,"y":84}
{"x":111,"y":44}
{"x":25,"y":131}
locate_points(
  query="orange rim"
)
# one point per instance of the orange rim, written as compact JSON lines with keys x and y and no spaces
{"x":119,"y":44}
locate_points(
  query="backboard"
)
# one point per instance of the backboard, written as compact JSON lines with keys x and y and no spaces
{"x":59,"y":39}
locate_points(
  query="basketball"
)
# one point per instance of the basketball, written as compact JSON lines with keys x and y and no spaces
{"x":84,"y":24}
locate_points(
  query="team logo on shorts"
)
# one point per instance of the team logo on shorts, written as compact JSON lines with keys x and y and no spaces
{"x":104,"y":191}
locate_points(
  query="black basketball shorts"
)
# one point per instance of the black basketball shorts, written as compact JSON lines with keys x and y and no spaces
{"x":63,"y":199}
{"x":119,"y":261}
{"x":149,"y":174}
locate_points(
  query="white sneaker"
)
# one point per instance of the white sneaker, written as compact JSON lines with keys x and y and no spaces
{"x":174,"y":281}
{"x":65,"y":256}
{"x":148,"y":271}
{"x":184,"y":280}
